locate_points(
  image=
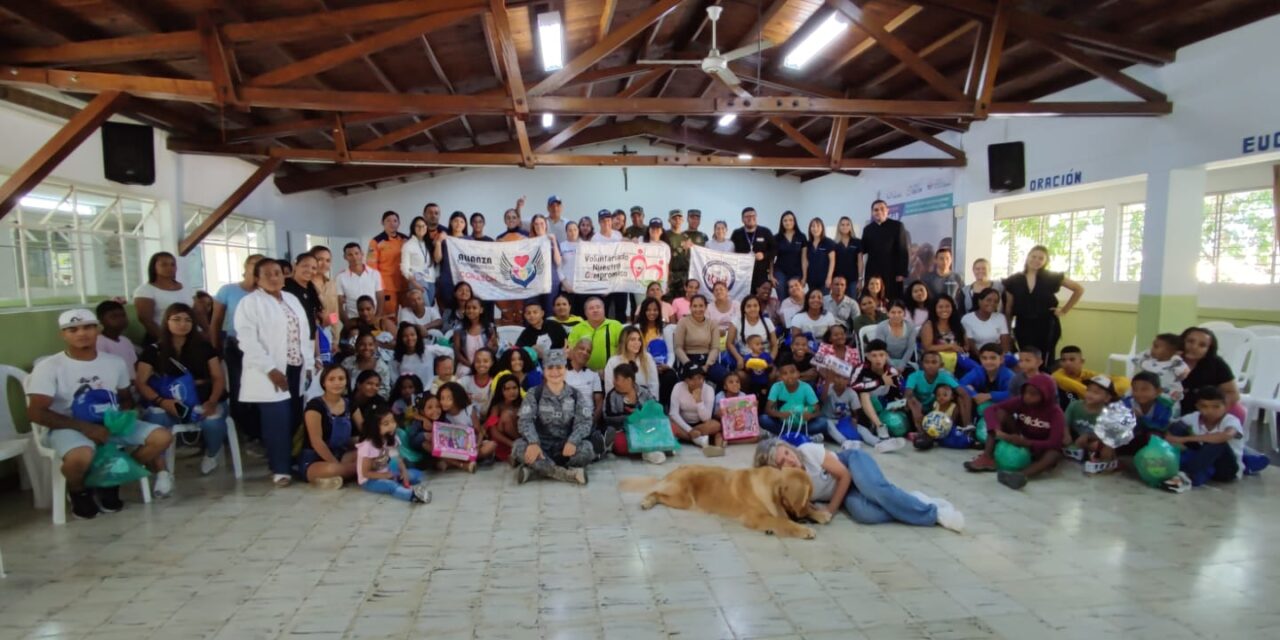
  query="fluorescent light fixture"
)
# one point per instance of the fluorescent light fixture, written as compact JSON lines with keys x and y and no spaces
{"x":726,"y":119}
{"x":551,"y":40}
{"x":48,"y":204}
{"x":817,"y":41}
{"x":548,"y":119}
{"x":745,"y":156}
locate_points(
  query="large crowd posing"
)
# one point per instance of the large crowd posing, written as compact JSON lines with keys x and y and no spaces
{"x":859,"y":343}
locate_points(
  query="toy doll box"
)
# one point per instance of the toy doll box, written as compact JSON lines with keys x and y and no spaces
{"x":739,"y":418}
{"x":453,"y":442}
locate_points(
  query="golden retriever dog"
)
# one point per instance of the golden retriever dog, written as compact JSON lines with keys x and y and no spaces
{"x":761,"y":498}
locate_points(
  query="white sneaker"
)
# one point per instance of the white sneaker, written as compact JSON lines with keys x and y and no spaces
{"x":701,"y":441}
{"x":851,"y":444}
{"x":655,"y":457}
{"x":281,"y":479}
{"x":882,"y":433}
{"x":163,"y":487}
{"x":208,"y":464}
{"x":949,"y":517}
{"x":890,"y":444}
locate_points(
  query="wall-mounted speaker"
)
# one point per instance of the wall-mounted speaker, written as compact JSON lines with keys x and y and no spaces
{"x":128,"y":153}
{"x":1006,"y":166}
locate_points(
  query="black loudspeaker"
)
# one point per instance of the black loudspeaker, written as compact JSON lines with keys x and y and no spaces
{"x":128,"y":154}
{"x":1006,"y":168}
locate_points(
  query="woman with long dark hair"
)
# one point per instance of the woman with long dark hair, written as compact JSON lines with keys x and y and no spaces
{"x":181,"y":352}
{"x":440,"y":256}
{"x":919,"y":301}
{"x":985,"y":324}
{"x":1031,"y":303}
{"x":366,"y":358}
{"x":161,"y":290}
{"x":328,"y":455}
{"x":1208,"y":369}
{"x":476,"y":330}
{"x":899,"y":336}
{"x":788,"y":263}
{"x":417,"y":261}
{"x":944,"y":334}
{"x":816,"y":261}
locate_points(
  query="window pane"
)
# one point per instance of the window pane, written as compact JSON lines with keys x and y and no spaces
{"x":1247,"y":238}
{"x":1129,"y":260}
{"x":1086,"y":246}
{"x":51,"y":267}
{"x":1206,"y":269}
{"x":10,"y":267}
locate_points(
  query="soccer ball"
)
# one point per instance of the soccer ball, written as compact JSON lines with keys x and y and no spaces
{"x":937,"y":425}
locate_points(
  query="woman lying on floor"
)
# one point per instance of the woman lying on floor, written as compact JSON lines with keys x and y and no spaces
{"x":853,"y":479}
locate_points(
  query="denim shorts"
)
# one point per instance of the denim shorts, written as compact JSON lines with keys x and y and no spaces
{"x":62,"y":441}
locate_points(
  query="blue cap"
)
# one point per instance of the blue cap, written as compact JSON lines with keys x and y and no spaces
{"x":553,"y":200}
{"x":604,"y":213}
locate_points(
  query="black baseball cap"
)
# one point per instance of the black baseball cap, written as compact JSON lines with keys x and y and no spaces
{"x":604,"y":213}
{"x":655,"y":222}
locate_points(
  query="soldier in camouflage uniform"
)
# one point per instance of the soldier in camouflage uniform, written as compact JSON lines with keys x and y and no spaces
{"x":678,"y":268}
{"x":554,"y":425}
{"x":693,"y":234}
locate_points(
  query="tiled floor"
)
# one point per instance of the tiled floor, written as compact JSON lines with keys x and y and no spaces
{"x":1068,"y":557}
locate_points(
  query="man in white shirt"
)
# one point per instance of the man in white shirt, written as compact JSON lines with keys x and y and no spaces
{"x":606,"y":232}
{"x":554,"y":222}
{"x":356,"y":281}
{"x":73,"y":393}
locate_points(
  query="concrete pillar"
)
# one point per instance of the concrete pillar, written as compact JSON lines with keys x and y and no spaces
{"x":1170,"y":251}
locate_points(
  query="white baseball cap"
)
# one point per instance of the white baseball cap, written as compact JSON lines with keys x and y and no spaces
{"x":77,"y":318}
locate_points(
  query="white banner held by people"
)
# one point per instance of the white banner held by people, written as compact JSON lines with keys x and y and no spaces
{"x":502,"y":270}
{"x":733,"y":269}
{"x":619,"y":267}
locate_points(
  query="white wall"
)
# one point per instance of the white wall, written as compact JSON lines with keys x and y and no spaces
{"x":719,"y":193}
{"x":199,"y":180}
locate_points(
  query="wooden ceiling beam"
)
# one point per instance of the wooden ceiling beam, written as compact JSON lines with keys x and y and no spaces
{"x":604,"y":47}
{"x":913,"y":131}
{"x":216,"y":58}
{"x":985,"y":91}
{"x":606,"y":18}
{"x":89,"y":47}
{"x":925,"y":52}
{"x":444,"y":79}
{"x":62,"y":144}
{"x":1098,"y":67}
{"x":515,"y":81}
{"x":795,"y":135}
{"x":899,"y":49}
{"x":219,"y":214}
{"x":406,"y":132}
{"x":976,"y":57}
{"x":576,"y":127}
{"x":331,"y":58}
{"x":868,"y":43}
{"x":835,"y":142}
{"x":1110,"y":44}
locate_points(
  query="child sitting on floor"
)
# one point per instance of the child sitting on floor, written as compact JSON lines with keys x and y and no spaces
{"x":1071,"y":376}
{"x":1163,"y":360}
{"x":622,"y":400}
{"x":792,"y":401}
{"x":1030,"y":363}
{"x":944,"y":402}
{"x":758,"y":377}
{"x":407,"y":392}
{"x":1082,"y":415}
{"x":1032,"y":420}
{"x":839,"y":403}
{"x":502,"y":416}
{"x":443,"y":370}
{"x":1153,"y":410}
{"x":378,"y":465}
{"x":984,"y":384}
{"x":1213,"y":441}
{"x":921,"y":385}
{"x":876,"y":379}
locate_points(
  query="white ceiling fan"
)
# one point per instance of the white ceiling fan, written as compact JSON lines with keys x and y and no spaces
{"x":716,"y":64}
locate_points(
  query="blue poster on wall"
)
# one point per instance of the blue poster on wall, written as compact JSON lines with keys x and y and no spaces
{"x":925,"y":208}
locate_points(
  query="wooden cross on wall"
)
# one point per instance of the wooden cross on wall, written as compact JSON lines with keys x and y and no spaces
{"x":624,"y":153}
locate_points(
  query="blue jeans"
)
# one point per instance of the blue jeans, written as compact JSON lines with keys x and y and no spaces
{"x":781,"y":285}
{"x":213,"y":429}
{"x":279,"y":420}
{"x":872,"y":499}
{"x":393,"y":487}
{"x":814,"y":427}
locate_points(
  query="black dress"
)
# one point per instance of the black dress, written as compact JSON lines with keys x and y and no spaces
{"x":888,"y":249}
{"x":1034,"y":321}
{"x":1209,"y":372}
{"x":847,"y":262}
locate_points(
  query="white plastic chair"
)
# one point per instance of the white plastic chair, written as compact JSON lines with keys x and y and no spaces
{"x":1125,"y":359}
{"x":1265,"y":393}
{"x":231,"y":448}
{"x":14,"y":444}
{"x":865,"y":335}
{"x":1264,"y":330}
{"x":1216,"y":325}
{"x":54,"y":493}
{"x":669,"y":337}
{"x":1233,"y":347}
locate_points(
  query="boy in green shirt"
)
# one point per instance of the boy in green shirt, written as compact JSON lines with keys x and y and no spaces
{"x":1083,"y":412}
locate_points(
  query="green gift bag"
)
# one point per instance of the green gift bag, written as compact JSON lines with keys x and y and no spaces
{"x":112,"y":467}
{"x":119,"y":422}
{"x":410,"y":455}
{"x":649,"y":429}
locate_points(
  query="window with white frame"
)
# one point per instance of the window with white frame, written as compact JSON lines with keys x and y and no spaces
{"x":1238,"y":238}
{"x":1073,"y":238}
{"x":65,"y":243}
{"x":223,"y":252}
{"x":1129,"y":249}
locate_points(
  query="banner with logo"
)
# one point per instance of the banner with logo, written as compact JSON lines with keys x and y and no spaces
{"x":502,"y":270}
{"x":925,"y":207}
{"x":620,"y":267}
{"x":733,"y":269}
